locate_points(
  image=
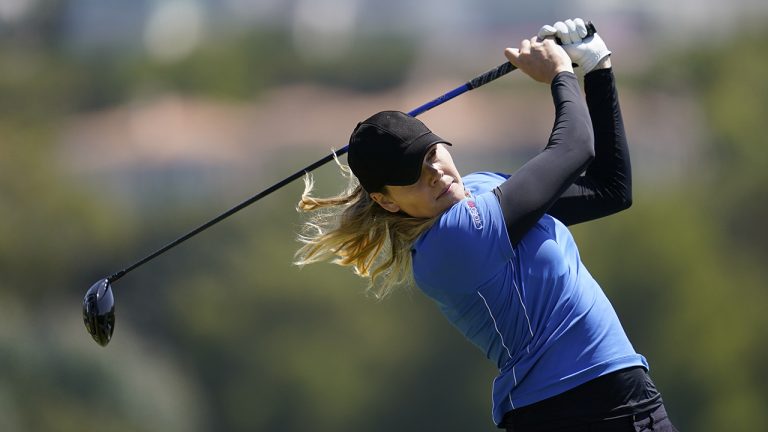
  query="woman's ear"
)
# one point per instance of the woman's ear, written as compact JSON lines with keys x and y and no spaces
{"x":385,"y":202}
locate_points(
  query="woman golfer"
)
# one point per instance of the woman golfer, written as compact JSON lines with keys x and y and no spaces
{"x":493,"y":250}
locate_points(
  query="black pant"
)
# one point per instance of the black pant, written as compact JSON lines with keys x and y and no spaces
{"x":625,"y":400}
{"x":655,"y":420}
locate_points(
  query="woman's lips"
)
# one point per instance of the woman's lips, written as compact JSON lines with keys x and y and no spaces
{"x":445,"y":191}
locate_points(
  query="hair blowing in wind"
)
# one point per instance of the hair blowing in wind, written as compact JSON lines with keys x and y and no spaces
{"x":350,"y":229}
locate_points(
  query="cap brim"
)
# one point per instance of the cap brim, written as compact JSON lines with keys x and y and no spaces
{"x":414,"y":158}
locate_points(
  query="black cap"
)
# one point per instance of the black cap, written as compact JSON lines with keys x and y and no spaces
{"x":388,"y":148}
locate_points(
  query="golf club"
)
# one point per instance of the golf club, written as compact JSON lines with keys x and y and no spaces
{"x":99,"y":302}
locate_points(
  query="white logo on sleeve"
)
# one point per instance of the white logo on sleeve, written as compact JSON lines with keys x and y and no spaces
{"x":475,"y":214}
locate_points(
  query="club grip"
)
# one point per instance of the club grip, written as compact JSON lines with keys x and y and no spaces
{"x":491,"y":75}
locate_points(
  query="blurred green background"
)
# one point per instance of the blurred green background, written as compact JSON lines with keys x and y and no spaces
{"x":125,"y":125}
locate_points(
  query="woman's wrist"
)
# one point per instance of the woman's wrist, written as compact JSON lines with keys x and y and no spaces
{"x":603,"y":64}
{"x":559,"y":76}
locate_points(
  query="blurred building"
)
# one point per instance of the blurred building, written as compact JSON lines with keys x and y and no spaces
{"x":186,"y":146}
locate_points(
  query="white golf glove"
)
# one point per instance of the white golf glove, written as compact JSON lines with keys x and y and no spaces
{"x":586,"y":52}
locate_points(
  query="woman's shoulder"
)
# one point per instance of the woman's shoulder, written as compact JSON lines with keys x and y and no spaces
{"x":483,"y":181}
{"x":474,"y":222}
{"x":469,"y":218}
{"x":464,"y":245}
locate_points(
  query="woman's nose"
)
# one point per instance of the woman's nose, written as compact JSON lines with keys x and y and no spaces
{"x":435,"y":173}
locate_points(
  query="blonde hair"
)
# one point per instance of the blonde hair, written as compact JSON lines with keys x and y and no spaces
{"x":351,"y":229}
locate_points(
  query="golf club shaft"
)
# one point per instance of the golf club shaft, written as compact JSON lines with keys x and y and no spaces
{"x":474,"y":83}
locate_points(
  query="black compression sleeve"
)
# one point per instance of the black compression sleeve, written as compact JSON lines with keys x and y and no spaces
{"x":606,"y":186}
{"x":531,"y":190}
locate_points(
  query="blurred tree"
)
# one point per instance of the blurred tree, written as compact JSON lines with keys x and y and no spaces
{"x":52,"y":229}
{"x":726,"y":78}
{"x":734,"y":95}
{"x":237,"y":67}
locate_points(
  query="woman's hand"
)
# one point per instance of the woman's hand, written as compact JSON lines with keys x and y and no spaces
{"x":588,"y":52}
{"x":540,"y":59}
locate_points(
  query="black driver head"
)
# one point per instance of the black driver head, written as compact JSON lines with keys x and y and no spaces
{"x":99,"y":311}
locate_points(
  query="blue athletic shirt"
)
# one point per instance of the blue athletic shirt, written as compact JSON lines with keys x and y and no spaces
{"x":533,"y":309}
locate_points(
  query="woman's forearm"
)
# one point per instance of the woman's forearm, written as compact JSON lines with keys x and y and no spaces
{"x":606,"y":186}
{"x":532,"y":189}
